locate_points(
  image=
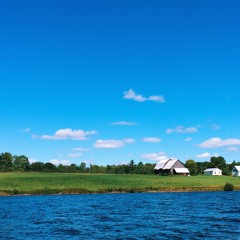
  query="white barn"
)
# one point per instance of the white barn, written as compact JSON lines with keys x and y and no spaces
{"x":213,"y":172}
{"x":171,"y":166}
{"x":236,"y":171}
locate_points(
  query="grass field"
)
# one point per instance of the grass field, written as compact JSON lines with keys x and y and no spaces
{"x":55,"y":183}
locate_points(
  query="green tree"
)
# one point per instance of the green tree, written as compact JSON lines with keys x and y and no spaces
{"x":220,"y":163}
{"x":192,"y":166}
{"x":82,"y":167}
{"x":49,"y":167}
{"x":203,"y":166}
{"x":110,"y":169}
{"x":139,"y":168}
{"x":62,"y":168}
{"x":73,"y":168}
{"x":21,"y":163}
{"x":6,"y":162}
{"x":37,"y":166}
{"x":230,"y":167}
{"x":148,"y":168}
{"x":132,"y":166}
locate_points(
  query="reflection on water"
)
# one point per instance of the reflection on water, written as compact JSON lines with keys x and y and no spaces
{"x":207,"y":215}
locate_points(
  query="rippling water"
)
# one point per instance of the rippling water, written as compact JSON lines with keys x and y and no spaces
{"x":207,"y":215}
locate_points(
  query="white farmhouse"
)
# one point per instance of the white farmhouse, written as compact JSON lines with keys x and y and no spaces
{"x":236,"y":171}
{"x":213,"y":172}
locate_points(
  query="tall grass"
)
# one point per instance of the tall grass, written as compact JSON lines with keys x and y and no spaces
{"x":54,"y":183}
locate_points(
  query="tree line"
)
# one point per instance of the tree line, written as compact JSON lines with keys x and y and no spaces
{"x":10,"y":163}
{"x":197,"y":168}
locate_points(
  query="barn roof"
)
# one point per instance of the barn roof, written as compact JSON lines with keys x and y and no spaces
{"x":211,"y":169}
{"x":181,"y":170}
{"x":160,"y":164}
{"x":169,"y":164}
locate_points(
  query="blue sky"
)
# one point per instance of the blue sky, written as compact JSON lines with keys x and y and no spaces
{"x":104,"y":82}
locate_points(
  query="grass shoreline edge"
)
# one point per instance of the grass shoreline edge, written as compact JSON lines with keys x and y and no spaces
{"x":5,"y":194}
{"x":13,"y":184}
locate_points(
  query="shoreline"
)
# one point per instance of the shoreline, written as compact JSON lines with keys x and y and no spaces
{"x":6,"y":194}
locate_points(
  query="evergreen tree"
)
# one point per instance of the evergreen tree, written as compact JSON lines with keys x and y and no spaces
{"x":6,"y":162}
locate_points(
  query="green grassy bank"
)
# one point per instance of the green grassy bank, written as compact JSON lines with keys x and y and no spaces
{"x":55,"y":183}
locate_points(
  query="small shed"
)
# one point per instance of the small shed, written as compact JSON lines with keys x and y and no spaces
{"x":213,"y":172}
{"x":236,"y":171}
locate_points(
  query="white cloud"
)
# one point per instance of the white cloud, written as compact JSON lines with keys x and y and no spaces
{"x":68,"y":133}
{"x":182,"y":129}
{"x":188,"y":139}
{"x":204,"y":155}
{"x":63,"y":162}
{"x":113,"y":143}
{"x":218,"y":142}
{"x":124,"y":123}
{"x":130,"y":94}
{"x":155,"y":156}
{"x":74,"y":155}
{"x":151,"y":139}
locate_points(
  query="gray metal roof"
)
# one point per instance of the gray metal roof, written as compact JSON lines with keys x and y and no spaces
{"x":211,"y":169}
{"x":160,"y":164}
{"x":237,"y":167}
{"x":169,"y":164}
{"x":181,"y":170}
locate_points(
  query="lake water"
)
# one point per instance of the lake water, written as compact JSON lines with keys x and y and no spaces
{"x":207,"y":215}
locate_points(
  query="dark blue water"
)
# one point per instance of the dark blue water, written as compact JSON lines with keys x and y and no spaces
{"x":208,"y":215}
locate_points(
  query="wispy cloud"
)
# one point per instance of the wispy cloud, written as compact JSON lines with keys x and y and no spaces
{"x":74,"y":155}
{"x":57,"y":162}
{"x":129,"y":140}
{"x":156,"y":99}
{"x":218,"y":142}
{"x":151,"y":139}
{"x":233,"y":149}
{"x":156,"y":157}
{"x":188,"y":139}
{"x":68,"y":133}
{"x":131,"y":94}
{"x":204,"y":155}
{"x":25,"y":130}
{"x":80,"y":149}
{"x":215,"y":126}
{"x":112,"y":143}
{"x":124,"y":123}
{"x":182,"y":129}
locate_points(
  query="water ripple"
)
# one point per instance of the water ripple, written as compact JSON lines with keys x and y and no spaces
{"x":147,"y":216}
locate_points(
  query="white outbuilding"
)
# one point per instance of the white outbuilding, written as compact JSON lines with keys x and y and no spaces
{"x":213,"y":172}
{"x":236,"y":171}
